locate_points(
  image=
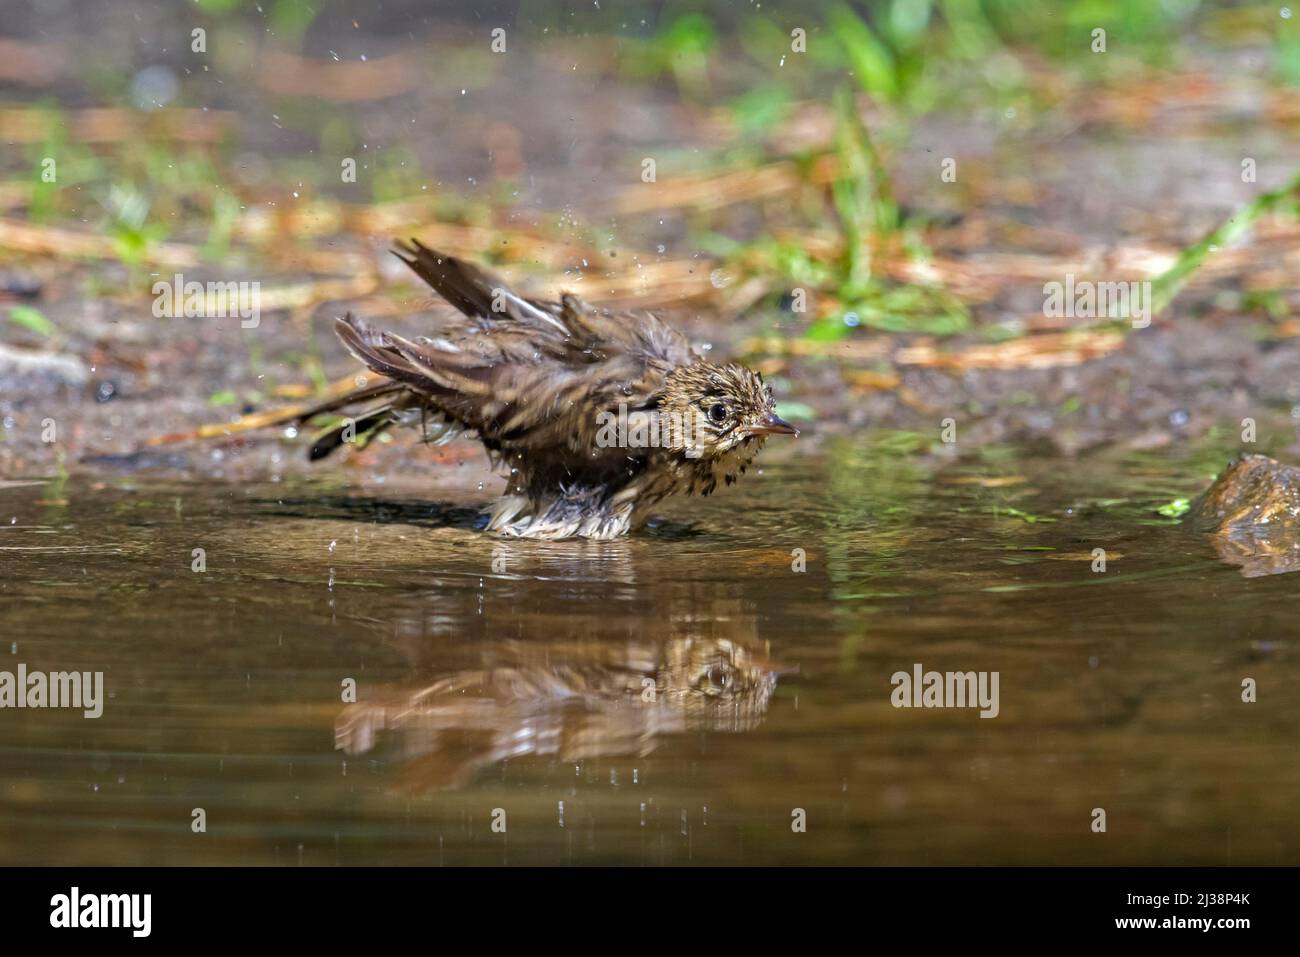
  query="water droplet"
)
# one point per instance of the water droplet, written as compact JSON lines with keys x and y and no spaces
{"x":154,"y":87}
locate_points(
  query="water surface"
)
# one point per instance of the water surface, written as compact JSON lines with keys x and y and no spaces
{"x":670,"y":698}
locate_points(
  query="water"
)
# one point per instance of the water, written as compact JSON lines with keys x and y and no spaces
{"x":680,"y":696}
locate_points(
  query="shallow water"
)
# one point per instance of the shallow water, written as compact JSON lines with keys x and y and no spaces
{"x":669,"y":698}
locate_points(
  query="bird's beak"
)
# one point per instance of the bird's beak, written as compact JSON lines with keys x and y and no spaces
{"x":773,"y":425}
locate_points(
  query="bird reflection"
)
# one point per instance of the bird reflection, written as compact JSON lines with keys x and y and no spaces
{"x":684,"y":657}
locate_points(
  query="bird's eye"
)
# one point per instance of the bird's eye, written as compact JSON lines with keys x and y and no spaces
{"x":718,"y":678}
{"x":718,"y":413}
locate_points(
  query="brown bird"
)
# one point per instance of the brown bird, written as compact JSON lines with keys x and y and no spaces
{"x":597,"y":415}
{"x":579,"y":700}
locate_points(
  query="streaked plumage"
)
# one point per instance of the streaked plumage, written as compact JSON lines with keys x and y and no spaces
{"x":539,"y":383}
{"x":578,"y":702}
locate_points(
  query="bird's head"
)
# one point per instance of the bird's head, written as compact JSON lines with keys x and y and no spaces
{"x":720,"y":408}
{"x":720,"y":684}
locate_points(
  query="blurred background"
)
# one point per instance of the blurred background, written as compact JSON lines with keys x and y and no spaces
{"x":863,"y":200}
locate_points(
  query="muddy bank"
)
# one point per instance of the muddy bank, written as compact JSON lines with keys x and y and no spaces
{"x":1166,"y":387}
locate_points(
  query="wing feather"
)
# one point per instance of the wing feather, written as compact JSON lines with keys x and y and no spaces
{"x":470,"y":289}
{"x":534,"y":375}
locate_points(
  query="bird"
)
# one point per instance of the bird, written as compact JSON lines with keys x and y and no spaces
{"x":576,"y":700}
{"x":595,"y":415}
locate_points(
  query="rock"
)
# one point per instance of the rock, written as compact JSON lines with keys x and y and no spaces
{"x":1253,"y":490}
{"x":1252,"y":512}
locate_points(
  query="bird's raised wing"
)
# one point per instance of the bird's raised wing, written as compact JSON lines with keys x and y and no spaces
{"x":512,"y":402}
{"x":524,"y":373}
{"x":567,"y":326}
{"x":472,"y":291}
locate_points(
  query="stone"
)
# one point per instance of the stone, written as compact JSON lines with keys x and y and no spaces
{"x":1252,"y":513}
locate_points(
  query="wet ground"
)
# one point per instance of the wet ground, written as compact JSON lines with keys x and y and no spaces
{"x":509,"y":678}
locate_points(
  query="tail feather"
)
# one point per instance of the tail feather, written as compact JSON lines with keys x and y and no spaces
{"x":362,"y":394}
{"x":362,"y":431}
